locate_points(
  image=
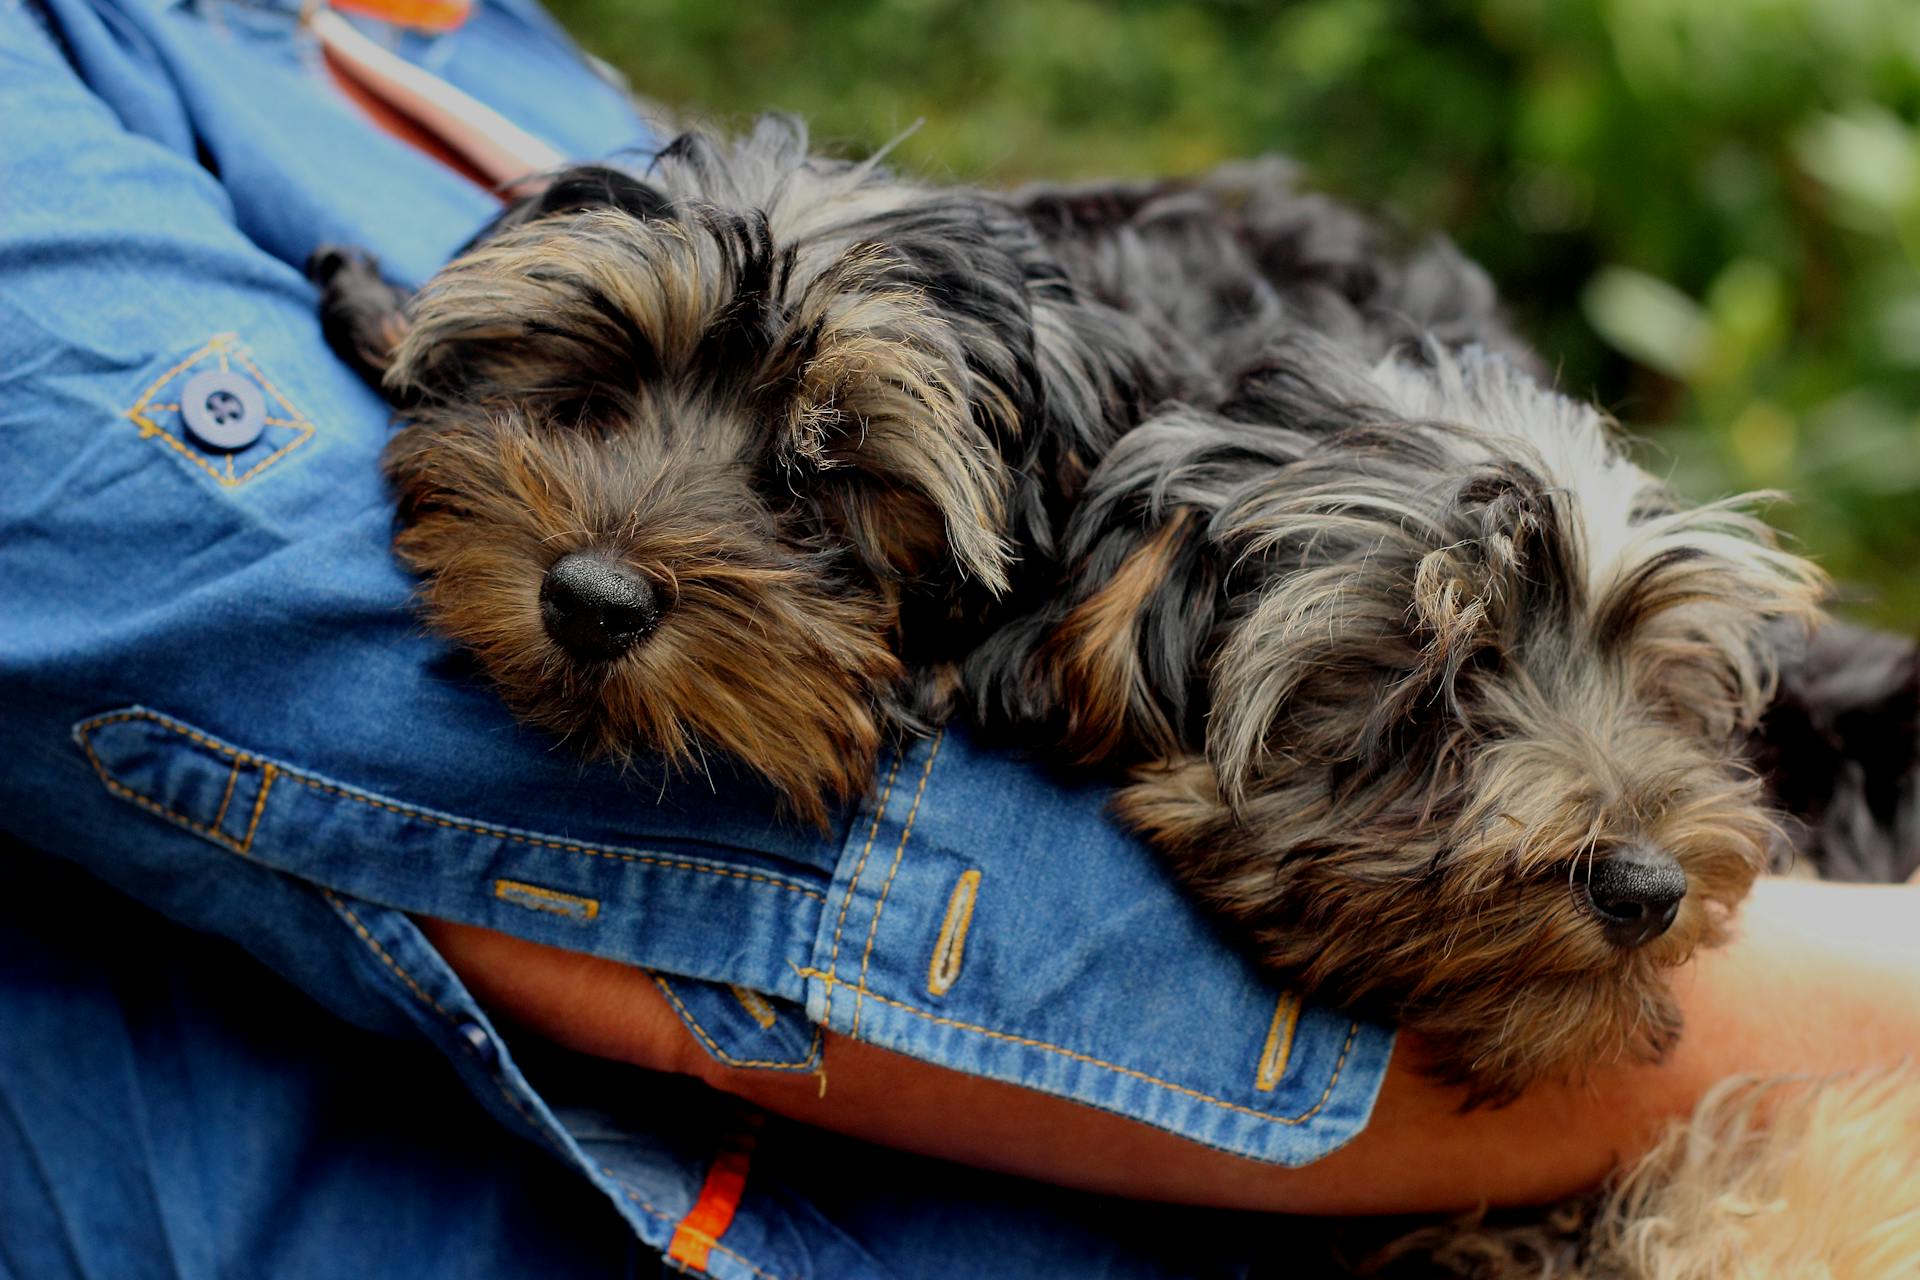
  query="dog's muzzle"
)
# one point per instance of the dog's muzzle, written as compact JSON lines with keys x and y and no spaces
{"x":595,"y":609}
{"x":1635,"y":893}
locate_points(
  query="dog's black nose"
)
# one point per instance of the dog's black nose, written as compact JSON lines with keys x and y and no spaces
{"x":596,"y":609}
{"x":1635,"y":893}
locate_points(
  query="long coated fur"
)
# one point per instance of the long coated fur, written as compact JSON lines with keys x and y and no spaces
{"x":825,"y":416}
{"x":1401,"y":647}
{"x":1782,"y":1179}
{"x":1217,"y":482}
{"x":1214,"y":484}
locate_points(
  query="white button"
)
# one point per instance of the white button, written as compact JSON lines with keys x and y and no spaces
{"x":223,"y":409}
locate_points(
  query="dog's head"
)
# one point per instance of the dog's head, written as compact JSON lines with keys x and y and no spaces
{"x":1473,"y":710}
{"x":687,"y":451}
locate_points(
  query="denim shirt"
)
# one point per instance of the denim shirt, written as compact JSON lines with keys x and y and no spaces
{"x":217,"y":699}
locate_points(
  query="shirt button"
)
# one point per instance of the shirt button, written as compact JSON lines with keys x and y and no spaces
{"x":482,"y":1042}
{"x":223,"y":408}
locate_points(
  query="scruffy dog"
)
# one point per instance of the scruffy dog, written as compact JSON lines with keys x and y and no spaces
{"x":1448,"y":707}
{"x":741,"y":456}
{"x":1424,"y":685}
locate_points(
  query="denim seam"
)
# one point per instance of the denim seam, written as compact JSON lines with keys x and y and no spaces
{"x":880,"y":904}
{"x":420,"y":993}
{"x":859,"y":869}
{"x":1353,"y":1032}
{"x":217,"y":345}
{"x":757,"y":1008}
{"x":412,"y":814}
{"x":668,"y":1219}
{"x":125,"y":792}
{"x":713,"y":1047}
{"x":226,"y":797}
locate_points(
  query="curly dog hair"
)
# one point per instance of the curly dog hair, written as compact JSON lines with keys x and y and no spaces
{"x":740,"y":456}
{"x":1421,"y":683}
{"x":1452,"y":712}
{"x":1424,"y":685}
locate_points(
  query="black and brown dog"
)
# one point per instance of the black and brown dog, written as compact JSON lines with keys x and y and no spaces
{"x":1413,"y":675}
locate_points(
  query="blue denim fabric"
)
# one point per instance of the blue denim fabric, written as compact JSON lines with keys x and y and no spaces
{"x":217,"y":700}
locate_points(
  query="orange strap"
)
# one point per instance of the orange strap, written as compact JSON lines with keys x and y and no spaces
{"x":434,"y":16}
{"x":426,"y":111}
{"x":712,"y":1213}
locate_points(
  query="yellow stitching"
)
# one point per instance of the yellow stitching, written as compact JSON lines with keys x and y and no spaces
{"x":366,"y":936}
{"x":209,"y":347}
{"x":305,"y":435}
{"x":150,"y":428}
{"x":757,"y":1009}
{"x":943,"y":969}
{"x":217,"y":346}
{"x":254,"y":369}
{"x":673,"y":1222}
{"x":880,"y":904}
{"x":1279,"y":1046}
{"x":714,"y":1048}
{"x":128,"y":793}
{"x":536,"y":898}
{"x":281,"y":422}
{"x":859,"y":868}
{"x":267,"y":775}
{"x":498,"y":833}
{"x":233,"y":776}
{"x":1353,"y":1030}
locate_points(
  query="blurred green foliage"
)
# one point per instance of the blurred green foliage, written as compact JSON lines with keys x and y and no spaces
{"x":1706,"y":212}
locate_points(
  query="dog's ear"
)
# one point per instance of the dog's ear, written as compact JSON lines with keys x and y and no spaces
{"x":915,"y":393}
{"x":1115,"y":665}
{"x":587,"y":186}
{"x":583,"y":317}
{"x":1695,"y":601}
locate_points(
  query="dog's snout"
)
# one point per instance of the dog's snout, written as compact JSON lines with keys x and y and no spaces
{"x":595,"y":609}
{"x":1635,"y":893}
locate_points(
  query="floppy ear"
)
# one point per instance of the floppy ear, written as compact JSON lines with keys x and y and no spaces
{"x":1696,"y":600}
{"x":1116,"y":664}
{"x":583,"y":316}
{"x":555,"y":303}
{"x":587,"y":186}
{"x":917,"y":404}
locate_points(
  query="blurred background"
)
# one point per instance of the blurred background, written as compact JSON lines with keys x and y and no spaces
{"x":1705,"y":212}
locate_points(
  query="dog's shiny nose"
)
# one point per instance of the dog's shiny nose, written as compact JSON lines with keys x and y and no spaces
{"x":1635,"y":893}
{"x":595,"y":609}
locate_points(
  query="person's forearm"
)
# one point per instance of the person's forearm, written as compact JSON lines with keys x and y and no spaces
{"x":1821,"y":978}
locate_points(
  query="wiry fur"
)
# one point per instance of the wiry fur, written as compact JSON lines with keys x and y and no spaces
{"x":1400,"y":649}
{"x":1782,"y":1179}
{"x":828,"y":415}
{"x":1399,"y":644}
{"x":1840,"y":748}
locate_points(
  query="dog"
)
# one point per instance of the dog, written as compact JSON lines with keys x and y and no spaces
{"x":741,"y":456}
{"x":1423,"y":686}
{"x":1449,"y":708}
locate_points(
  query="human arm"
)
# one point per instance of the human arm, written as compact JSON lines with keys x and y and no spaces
{"x":1820,"y":978}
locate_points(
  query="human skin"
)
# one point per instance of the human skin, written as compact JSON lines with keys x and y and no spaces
{"x":1819,"y":978}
